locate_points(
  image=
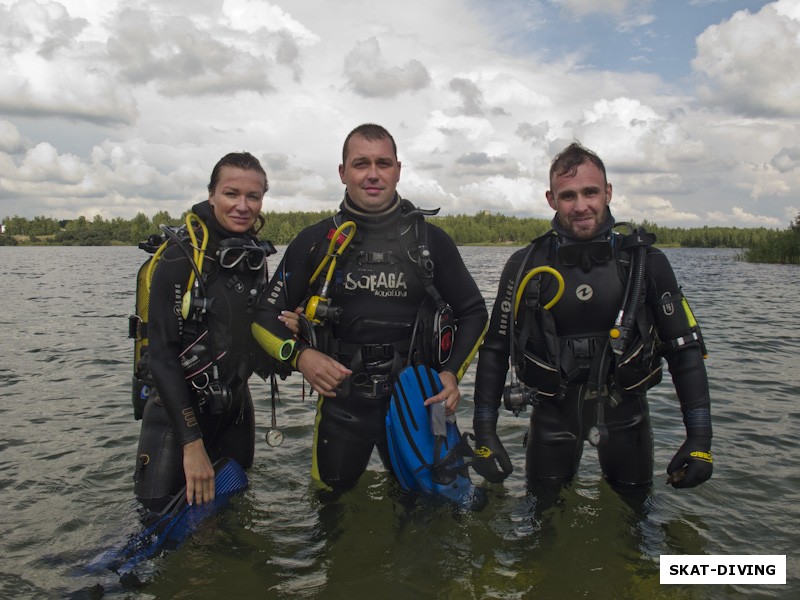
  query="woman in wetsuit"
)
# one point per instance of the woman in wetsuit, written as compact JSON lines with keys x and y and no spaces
{"x":201,"y":352}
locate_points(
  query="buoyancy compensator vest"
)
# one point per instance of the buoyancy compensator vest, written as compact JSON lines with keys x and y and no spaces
{"x":619,"y":356}
{"x":155,"y":245}
{"x":406,"y":248}
{"x":198,"y":358}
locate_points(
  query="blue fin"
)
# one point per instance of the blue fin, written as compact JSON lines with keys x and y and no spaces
{"x":421,"y":462}
{"x":173,"y":525}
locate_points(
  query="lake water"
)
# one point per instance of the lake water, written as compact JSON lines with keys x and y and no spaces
{"x":68,"y":443}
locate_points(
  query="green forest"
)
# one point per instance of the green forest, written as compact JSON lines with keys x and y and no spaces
{"x":757,"y":244}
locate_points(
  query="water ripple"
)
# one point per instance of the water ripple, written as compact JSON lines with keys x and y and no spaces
{"x":66,"y":460}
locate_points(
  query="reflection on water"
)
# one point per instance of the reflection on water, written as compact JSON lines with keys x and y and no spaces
{"x":68,"y":440}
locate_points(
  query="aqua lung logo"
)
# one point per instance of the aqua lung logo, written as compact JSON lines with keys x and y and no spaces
{"x":584,"y":292}
{"x":237,"y":284}
{"x":506,"y":315}
{"x":381,"y":284}
{"x":506,"y":308}
{"x":667,"y":307}
{"x":276,"y":292}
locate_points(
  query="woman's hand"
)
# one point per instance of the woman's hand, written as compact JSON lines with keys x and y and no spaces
{"x":291,"y":319}
{"x":321,"y":371}
{"x":199,"y":473}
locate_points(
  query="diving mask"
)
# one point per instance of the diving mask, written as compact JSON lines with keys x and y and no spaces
{"x":235,"y":251}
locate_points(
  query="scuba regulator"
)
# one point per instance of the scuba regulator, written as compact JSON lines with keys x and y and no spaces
{"x":199,"y":359}
{"x":156,"y":244}
{"x":618,"y":335}
{"x":318,"y":309}
{"x":517,"y":396}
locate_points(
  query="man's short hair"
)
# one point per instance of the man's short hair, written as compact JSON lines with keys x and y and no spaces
{"x":570,"y":158}
{"x":371,"y":132}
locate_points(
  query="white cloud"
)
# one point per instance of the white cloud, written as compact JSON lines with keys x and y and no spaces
{"x":252,"y":16}
{"x":530,"y":131}
{"x":509,"y":90}
{"x":184,"y":58}
{"x":43,"y":164}
{"x":634,"y":137}
{"x":43,"y":27}
{"x":45,"y":72}
{"x":503,"y":195}
{"x":470,"y":94}
{"x":765,"y":180}
{"x":749,"y":63}
{"x":742,"y":216}
{"x":481,"y":164}
{"x":636,"y":22}
{"x":425,"y":192}
{"x":115,"y":108}
{"x":739,"y":217}
{"x":788,"y":159}
{"x":653,"y":208}
{"x":370,"y":75}
{"x":11,"y":141}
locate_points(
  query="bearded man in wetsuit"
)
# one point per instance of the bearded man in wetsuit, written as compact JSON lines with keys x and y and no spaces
{"x":585,"y":373}
{"x":372,"y":301}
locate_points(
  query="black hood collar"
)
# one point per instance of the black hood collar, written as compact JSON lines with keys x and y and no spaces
{"x":351,"y":211}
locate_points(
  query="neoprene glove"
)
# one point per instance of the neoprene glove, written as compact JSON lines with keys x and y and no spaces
{"x":489,"y":452}
{"x":692,"y":464}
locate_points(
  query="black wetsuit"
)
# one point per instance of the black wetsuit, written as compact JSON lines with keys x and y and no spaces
{"x":593,"y":295}
{"x":379,"y":294}
{"x":173,"y":415}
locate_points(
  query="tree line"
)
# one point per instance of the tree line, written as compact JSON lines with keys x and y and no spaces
{"x":777,"y":246}
{"x":484,"y":228}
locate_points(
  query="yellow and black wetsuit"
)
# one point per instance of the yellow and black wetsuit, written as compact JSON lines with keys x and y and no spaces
{"x":378,"y":293}
{"x":177,"y":412}
{"x":560,"y":362}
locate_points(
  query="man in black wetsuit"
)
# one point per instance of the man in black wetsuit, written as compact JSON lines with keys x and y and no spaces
{"x":586,"y":361}
{"x":201,"y":351}
{"x":369,"y":307}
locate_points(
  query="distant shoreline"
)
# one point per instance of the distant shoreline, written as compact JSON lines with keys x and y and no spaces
{"x":759,"y":244}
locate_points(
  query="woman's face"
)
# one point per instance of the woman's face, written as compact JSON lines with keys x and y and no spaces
{"x":238,"y":198}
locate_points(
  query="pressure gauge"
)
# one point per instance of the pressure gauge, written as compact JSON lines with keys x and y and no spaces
{"x":274,"y":437}
{"x":598,"y":435}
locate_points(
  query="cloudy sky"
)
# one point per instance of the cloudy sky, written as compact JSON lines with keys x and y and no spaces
{"x":115,"y":108}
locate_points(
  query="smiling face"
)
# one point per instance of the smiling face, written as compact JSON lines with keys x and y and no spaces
{"x":237,"y":198}
{"x":370,"y":173}
{"x":580,"y":200}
